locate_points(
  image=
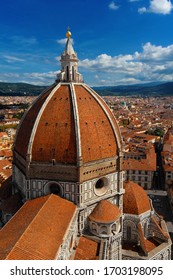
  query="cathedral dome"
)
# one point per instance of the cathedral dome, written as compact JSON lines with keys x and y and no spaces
{"x":69,"y":124}
{"x":135,"y":199}
{"x":52,"y":128}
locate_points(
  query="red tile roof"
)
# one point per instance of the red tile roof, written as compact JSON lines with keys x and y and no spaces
{"x":135,"y":199}
{"x":36,"y":231}
{"x":105,"y":212}
{"x":142,"y":164}
{"x":87,"y":249}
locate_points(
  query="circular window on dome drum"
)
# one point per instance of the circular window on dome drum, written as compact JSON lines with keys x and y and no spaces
{"x":53,"y":187}
{"x":101,"y":186}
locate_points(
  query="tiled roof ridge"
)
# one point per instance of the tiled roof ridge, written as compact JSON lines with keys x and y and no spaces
{"x":133,"y":190}
{"x":133,"y":185}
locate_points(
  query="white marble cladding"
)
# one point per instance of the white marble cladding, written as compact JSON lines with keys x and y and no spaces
{"x":115,"y":247}
{"x":69,"y":241}
{"x":80,"y":194}
{"x":162,"y":252}
{"x":114,"y":186}
{"x":133,"y":221}
{"x":37,"y":188}
{"x":33,"y":188}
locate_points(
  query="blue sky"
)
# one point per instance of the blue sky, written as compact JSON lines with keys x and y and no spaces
{"x":117,"y":42}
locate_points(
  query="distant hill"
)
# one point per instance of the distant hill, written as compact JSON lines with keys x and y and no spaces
{"x":151,"y":89}
{"x":162,"y":89}
{"x":20,"y":89}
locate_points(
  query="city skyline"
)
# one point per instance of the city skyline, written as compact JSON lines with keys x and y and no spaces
{"x":117,"y":42}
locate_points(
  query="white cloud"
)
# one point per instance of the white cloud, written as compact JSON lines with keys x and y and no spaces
{"x":153,"y":63}
{"x":36,"y":78}
{"x":155,"y":53}
{"x":64,"y":41}
{"x":158,"y":7}
{"x":57,"y":58}
{"x":113,"y":6}
{"x":11,"y":59}
{"x":107,"y":64}
{"x":42,"y":76}
{"x":142,"y":10}
{"x":9,"y":75}
{"x":161,"y":6}
{"x":128,"y":81}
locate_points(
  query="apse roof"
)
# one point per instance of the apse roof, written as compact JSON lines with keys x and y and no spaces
{"x":135,"y":199}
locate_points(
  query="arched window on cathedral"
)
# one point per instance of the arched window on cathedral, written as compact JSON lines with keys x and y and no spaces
{"x":94,"y":228}
{"x":103,"y":230}
{"x":73,"y":76}
{"x":129,"y":233}
{"x":53,"y":187}
{"x":67,"y":71}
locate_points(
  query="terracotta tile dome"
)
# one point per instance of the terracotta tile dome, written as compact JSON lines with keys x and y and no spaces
{"x":69,"y":124}
{"x":49,"y":130}
{"x":105,"y":212}
{"x":135,"y":199}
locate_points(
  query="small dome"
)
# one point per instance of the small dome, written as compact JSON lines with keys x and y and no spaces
{"x":105,"y":212}
{"x":135,"y":199}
